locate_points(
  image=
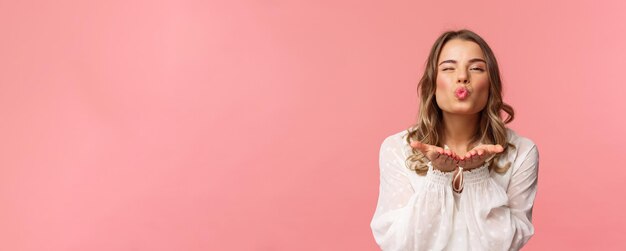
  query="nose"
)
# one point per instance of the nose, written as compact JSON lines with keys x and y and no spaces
{"x":463,"y":78}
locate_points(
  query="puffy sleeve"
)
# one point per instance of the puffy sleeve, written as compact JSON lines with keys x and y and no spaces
{"x":500,"y":219}
{"x":408,"y":219}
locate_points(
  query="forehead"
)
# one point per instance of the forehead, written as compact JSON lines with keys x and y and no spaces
{"x":460,"y":50}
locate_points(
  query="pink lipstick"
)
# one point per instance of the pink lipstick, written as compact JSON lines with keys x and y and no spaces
{"x":461,"y":93}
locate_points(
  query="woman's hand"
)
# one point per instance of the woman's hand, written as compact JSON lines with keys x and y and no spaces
{"x":442,"y":160}
{"x":476,"y":157}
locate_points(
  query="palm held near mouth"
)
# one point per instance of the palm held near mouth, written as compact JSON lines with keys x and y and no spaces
{"x":447,"y":161}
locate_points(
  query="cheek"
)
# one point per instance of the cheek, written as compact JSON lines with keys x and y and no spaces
{"x":439,"y":88}
{"x":442,"y":84}
{"x":481,"y":82}
{"x":482,"y":88}
{"x":483,"y":93}
{"x":443,"y":88}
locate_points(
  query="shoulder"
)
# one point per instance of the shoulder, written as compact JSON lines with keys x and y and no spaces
{"x":396,"y":140}
{"x":394,"y":150}
{"x":526,"y":149}
{"x":396,"y":143}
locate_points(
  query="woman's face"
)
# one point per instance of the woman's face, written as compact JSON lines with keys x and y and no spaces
{"x":462,"y":78}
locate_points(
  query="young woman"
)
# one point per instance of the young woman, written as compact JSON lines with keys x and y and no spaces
{"x":458,"y":179}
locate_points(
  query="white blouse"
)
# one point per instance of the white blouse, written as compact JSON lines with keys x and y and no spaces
{"x":493,"y":212}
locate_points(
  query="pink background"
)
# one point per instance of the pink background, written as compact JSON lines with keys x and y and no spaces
{"x":256,"y":125}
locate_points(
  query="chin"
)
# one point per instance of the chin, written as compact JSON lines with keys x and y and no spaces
{"x":463,"y":110}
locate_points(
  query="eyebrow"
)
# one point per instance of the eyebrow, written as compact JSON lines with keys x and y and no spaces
{"x":471,"y":61}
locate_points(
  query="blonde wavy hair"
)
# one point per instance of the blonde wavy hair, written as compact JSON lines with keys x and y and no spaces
{"x":429,"y":126}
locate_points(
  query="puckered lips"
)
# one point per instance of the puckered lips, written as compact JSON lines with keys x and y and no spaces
{"x":461,"y":93}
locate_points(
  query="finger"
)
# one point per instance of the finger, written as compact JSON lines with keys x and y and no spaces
{"x":498,"y":148}
{"x":480,"y":151}
{"x":419,"y":145}
{"x":488,"y":148}
{"x":462,"y":157}
{"x":444,"y":156}
{"x":437,"y":152}
{"x":451,"y":155}
{"x":457,"y":158}
{"x":437,"y":156}
{"x":440,"y":150}
{"x":454,"y":156}
{"x":475,"y":156}
{"x":454,"y":159}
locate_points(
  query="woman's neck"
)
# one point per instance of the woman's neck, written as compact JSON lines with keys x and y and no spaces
{"x":459,"y":129}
